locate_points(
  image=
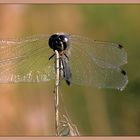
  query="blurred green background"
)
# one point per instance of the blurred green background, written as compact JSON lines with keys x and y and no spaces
{"x":28,"y":109}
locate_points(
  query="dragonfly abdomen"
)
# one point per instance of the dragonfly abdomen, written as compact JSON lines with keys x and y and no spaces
{"x":67,"y":75}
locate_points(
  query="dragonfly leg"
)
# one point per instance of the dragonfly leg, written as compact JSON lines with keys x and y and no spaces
{"x":66,"y":56}
{"x":51,"y":56}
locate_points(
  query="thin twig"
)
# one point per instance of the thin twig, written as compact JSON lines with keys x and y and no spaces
{"x":57,"y":80}
{"x":63,"y":125}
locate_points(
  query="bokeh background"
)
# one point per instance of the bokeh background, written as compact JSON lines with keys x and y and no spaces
{"x":28,"y":109}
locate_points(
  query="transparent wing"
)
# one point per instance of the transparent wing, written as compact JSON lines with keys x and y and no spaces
{"x":97,"y":63}
{"x":26,"y":60}
{"x":104,"y":54}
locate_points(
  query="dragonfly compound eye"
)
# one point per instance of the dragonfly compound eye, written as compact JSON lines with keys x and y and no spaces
{"x":58,"y":42}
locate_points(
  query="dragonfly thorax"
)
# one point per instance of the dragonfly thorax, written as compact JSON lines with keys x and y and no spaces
{"x":59,"y":42}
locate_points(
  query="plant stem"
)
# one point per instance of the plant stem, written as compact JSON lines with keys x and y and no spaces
{"x":57,"y":80}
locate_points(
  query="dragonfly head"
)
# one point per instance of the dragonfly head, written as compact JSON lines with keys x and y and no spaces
{"x":59,"y":41}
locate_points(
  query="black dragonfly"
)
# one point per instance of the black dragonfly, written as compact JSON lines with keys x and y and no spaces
{"x":84,"y":61}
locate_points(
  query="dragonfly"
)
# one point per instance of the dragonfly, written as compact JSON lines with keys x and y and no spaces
{"x":84,"y":61}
